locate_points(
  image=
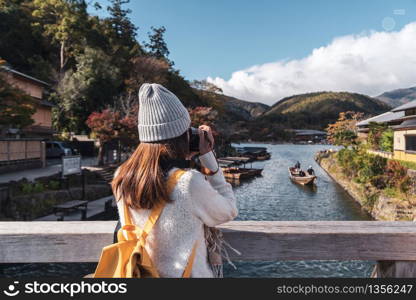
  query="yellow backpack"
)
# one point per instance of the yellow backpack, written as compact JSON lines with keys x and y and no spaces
{"x":128,"y":257}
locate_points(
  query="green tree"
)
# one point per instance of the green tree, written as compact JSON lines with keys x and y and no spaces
{"x":64,"y":22}
{"x":157,"y":46}
{"x":387,"y":140}
{"x":121,"y":33}
{"x":375,"y":133}
{"x":17,"y":107}
{"x":21,"y":45}
{"x":91,"y":87}
{"x":122,"y":28}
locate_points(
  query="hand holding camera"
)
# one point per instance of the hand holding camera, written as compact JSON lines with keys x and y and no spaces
{"x":206,"y":139}
{"x":201,"y":140}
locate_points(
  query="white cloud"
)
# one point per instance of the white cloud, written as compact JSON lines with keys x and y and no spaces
{"x":369,"y":63}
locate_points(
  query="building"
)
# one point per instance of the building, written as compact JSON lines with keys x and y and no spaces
{"x":309,"y":135}
{"x":390,"y":118}
{"x":42,"y":126}
{"x":402,"y":120}
{"x":405,"y":133}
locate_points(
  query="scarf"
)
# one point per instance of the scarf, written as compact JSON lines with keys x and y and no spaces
{"x":217,"y":252}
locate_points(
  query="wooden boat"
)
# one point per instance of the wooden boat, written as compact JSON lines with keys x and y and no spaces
{"x":265,"y":156}
{"x":303,"y":180}
{"x":237,"y":159}
{"x":254,"y":153}
{"x":240,"y":173}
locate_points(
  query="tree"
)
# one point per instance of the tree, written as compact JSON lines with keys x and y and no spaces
{"x":375,"y":133}
{"x":157,"y":46}
{"x":121,"y":33}
{"x":64,"y":22}
{"x":91,"y":87}
{"x":344,"y":131}
{"x":205,"y":86}
{"x":20,"y":44}
{"x":203,"y":115}
{"x":387,"y":140}
{"x":109,"y":125}
{"x":122,"y":28}
{"x":102,"y":125}
{"x":146,"y":69}
{"x":17,"y":107}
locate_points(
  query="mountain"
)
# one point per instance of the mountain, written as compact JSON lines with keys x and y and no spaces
{"x":232,"y":108}
{"x":244,"y":120}
{"x":317,"y":110}
{"x":241,"y":109}
{"x":398,"y":97}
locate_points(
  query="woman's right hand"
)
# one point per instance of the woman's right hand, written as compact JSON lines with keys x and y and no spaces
{"x":206,"y":141}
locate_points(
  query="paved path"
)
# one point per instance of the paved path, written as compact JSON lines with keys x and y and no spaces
{"x":32,"y":174}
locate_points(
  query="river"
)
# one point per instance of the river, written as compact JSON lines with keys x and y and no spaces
{"x":271,"y":197}
{"x":274,"y":197}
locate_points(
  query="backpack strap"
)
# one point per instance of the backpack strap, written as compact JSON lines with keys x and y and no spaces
{"x":154,"y":216}
{"x":156,"y":211}
{"x":188,"y":269}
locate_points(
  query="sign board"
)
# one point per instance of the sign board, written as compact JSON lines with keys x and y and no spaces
{"x":71,"y":165}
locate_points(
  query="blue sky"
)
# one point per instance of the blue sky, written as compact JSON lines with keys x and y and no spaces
{"x":217,"y":38}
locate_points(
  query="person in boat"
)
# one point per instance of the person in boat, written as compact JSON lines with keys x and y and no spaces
{"x":297,"y":165}
{"x":301,"y":173}
{"x":311,"y":171}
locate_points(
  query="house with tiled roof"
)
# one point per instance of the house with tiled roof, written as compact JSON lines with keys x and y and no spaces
{"x":402,"y":120}
{"x":42,"y":126}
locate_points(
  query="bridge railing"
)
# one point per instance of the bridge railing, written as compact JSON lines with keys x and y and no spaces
{"x":45,"y":242}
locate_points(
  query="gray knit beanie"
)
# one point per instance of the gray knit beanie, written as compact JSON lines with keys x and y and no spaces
{"x":161,"y":114}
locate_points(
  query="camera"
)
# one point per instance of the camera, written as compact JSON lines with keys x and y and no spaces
{"x":194,"y":139}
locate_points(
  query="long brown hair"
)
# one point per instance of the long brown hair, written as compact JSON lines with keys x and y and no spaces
{"x":141,"y":181}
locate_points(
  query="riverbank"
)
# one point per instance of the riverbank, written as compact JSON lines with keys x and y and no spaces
{"x":376,"y":202}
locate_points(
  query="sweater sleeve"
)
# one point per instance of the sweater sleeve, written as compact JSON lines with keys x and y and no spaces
{"x":212,"y":198}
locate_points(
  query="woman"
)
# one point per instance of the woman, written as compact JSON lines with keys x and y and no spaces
{"x":196,"y":200}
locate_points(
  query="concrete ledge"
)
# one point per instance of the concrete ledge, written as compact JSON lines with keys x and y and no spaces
{"x":82,"y":241}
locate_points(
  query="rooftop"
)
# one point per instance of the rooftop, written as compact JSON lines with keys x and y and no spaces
{"x":308,"y":132}
{"x":385,"y":117}
{"x":409,"y":105}
{"x":410,"y":123}
{"x":8,"y":69}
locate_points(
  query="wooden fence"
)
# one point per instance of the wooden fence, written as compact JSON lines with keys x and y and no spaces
{"x":21,"y":149}
{"x":388,"y":155}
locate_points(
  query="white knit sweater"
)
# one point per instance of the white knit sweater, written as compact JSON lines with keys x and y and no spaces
{"x":197,"y":200}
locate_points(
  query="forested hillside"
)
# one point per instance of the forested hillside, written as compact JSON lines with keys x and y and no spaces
{"x":317,"y":110}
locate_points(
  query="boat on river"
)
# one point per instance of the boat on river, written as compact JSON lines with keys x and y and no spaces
{"x":303,"y":180}
{"x":235,"y":173}
{"x":264,"y":156}
{"x":254,"y":153}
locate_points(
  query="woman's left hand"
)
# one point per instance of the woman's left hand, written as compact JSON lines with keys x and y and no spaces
{"x":206,"y":141}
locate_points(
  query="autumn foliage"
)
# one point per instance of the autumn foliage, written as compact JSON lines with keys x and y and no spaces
{"x":109,"y":125}
{"x":344,"y":131}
